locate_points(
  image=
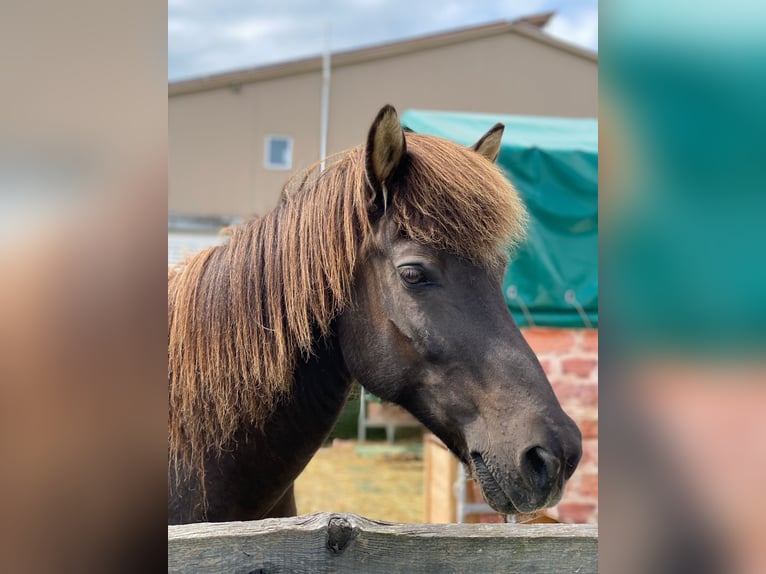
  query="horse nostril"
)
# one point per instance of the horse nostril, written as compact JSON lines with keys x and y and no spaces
{"x":542,"y":467}
{"x":569,"y":469}
{"x":571,"y":462}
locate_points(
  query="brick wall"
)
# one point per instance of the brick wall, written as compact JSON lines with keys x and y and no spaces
{"x":570,"y":359}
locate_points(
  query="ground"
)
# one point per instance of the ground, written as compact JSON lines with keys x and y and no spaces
{"x":371,"y":479}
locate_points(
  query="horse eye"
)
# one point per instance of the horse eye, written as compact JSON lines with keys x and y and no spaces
{"x":412,"y":275}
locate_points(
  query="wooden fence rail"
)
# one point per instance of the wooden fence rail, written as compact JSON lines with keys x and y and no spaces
{"x":328,"y":542}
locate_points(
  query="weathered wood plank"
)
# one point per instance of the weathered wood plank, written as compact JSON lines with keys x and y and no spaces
{"x":327,"y":542}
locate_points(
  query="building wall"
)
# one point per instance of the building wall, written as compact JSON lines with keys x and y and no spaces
{"x":570,"y":359}
{"x":500,"y":74}
{"x":216,"y":137}
{"x":216,"y":144}
{"x":184,"y":244}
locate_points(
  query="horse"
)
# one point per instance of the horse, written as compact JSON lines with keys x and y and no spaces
{"x":383,"y":267}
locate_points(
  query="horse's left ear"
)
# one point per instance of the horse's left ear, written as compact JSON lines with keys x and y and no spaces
{"x":489,"y":144}
{"x":386,"y":147}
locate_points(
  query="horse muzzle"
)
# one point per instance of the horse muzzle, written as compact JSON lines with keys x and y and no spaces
{"x":536,"y":480}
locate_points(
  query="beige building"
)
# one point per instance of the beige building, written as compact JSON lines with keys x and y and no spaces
{"x":236,"y":137}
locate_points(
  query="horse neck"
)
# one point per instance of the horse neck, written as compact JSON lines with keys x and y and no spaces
{"x":320,"y":388}
{"x":272,"y":458}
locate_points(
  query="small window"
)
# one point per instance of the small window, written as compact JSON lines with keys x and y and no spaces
{"x":279,"y":152}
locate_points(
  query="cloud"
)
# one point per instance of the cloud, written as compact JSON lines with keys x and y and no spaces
{"x":211,"y":37}
{"x":579,"y":28}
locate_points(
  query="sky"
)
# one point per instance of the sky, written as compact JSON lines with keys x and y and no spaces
{"x":209,"y":37}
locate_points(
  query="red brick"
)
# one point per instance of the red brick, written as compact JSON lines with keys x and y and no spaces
{"x":589,"y":453}
{"x":579,"y":366}
{"x":572,"y":488}
{"x":588,"y":427}
{"x":577,"y":512}
{"x":576,"y":393}
{"x":547,"y":366}
{"x":549,"y":340}
{"x":586,"y":419}
{"x":588,"y":486}
{"x":590,"y":340}
{"x":556,"y":379}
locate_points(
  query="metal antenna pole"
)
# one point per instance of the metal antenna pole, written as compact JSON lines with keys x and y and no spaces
{"x":325,"y":94}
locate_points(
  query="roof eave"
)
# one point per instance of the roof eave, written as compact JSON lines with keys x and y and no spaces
{"x":236,"y":79}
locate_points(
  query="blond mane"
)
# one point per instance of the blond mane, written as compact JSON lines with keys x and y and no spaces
{"x":240,"y":315}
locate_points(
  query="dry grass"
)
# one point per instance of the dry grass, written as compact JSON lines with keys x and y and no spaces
{"x":339,"y":479}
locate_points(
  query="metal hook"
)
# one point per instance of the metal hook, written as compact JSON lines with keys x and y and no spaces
{"x":513,"y":293}
{"x":571,"y":298}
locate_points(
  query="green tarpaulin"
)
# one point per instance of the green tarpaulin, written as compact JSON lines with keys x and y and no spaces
{"x":553,"y":162}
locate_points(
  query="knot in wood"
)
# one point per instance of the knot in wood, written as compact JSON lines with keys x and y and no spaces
{"x":339,"y":534}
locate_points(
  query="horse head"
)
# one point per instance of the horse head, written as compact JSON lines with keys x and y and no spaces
{"x":429,"y":329}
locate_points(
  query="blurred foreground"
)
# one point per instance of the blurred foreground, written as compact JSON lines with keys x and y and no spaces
{"x":683,"y":313}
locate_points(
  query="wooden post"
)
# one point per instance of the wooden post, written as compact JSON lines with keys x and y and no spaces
{"x":441,"y":470}
{"x":327,"y":542}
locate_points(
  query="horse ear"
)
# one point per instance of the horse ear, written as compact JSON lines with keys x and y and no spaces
{"x":386,"y":147}
{"x":489,"y":144}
